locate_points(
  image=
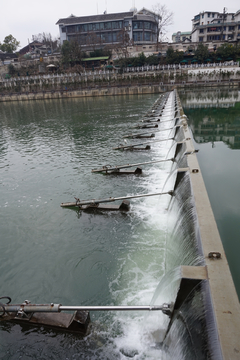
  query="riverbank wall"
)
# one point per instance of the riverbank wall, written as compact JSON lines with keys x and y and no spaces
{"x":106,"y":83}
{"x":138,"y":89}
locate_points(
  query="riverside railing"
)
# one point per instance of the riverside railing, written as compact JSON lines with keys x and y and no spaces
{"x":115,"y":71}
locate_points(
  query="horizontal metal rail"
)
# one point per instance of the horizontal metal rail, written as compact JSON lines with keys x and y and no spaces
{"x":139,"y":144}
{"x":151,"y":132}
{"x":111,"y":199}
{"x":49,"y":308}
{"x":117,"y":167}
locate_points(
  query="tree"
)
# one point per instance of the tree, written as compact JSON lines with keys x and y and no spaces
{"x":140,"y":60}
{"x":201,"y":53}
{"x":71,"y":52}
{"x":93,"y":40}
{"x":46,"y":39}
{"x":227,"y":52}
{"x":173,"y":57}
{"x":120,"y":47}
{"x":165,"y":18}
{"x":10,"y":44}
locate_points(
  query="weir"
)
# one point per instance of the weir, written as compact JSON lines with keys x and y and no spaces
{"x":194,"y":248}
{"x":204,"y":319}
{"x":198,"y":226}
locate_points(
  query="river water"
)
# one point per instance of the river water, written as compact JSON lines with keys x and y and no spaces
{"x":51,"y":254}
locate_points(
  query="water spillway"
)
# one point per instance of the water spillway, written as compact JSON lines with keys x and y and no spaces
{"x":118,"y":259}
{"x":198,"y":225}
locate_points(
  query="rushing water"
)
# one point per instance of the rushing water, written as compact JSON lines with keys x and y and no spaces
{"x":214,"y":117}
{"x":50,"y":254}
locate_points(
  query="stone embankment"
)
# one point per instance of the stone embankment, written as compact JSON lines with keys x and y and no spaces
{"x":141,"y":80}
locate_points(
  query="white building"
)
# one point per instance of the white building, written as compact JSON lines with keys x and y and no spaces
{"x":216,"y":26}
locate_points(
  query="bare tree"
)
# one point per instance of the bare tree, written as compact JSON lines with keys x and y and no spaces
{"x":46,"y":39}
{"x":123,"y":41}
{"x":93,"y":40}
{"x":165,"y":19}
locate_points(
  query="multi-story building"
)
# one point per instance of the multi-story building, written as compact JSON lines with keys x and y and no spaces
{"x":96,"y":31}
{"x":215,"y":26}
{"x":181,"y":36}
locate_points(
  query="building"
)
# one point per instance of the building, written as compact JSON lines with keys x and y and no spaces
{"x":35,"y":49}
{"x":216,"y":26}
{"x":182,"y":36}
{"x":97,"y":31}
{"x":7,"y":58}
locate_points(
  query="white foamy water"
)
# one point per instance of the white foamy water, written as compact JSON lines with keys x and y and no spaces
{"x":144,"y":264}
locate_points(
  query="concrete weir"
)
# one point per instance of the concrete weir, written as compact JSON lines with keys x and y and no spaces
{"x":223,"y":298}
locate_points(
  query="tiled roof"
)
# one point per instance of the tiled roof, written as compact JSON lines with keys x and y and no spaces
{"x":94,"y":18}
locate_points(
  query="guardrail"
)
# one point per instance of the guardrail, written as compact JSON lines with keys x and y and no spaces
{"x":133,"y":69}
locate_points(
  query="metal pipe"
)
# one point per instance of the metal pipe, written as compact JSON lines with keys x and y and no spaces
{"x":144,"y":143}
{"x":116,"y":308}
{"x":93,"y":201}
{"x":111,"y":168}
{"x":153,"y":131}
{"x":30,"y":308}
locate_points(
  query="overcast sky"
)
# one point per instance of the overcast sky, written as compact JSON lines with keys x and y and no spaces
{"x":25,"y":18}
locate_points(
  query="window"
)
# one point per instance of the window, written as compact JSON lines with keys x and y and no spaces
{"x":107,"y":25}
{"x":114,"y":36}
{"x":231,"y":28}
{"x":238,"y":27}
{"x":137,"y":36}
{"x":90,"y":27}
{"x":200,"y":38}
{"x":201,"y":31}
{"x":202,"y":16}
{"x":96,"y":26}
{"x":71,"y":29}
{"x":117,"y":25}
{"x":101,"y":26}
{"x":209,"y":14}
{"x":213,"y":37}
{"x":147,"y":25}
{"x":104,"y":37}
{"x":147,"y":36}
{"x":137,"y":25}
{"x":109,"y":37}
{"x":213,"y":14}
{"x":63,"y":29}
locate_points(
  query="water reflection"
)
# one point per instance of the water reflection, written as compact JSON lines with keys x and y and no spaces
{"x":214,"y":117}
